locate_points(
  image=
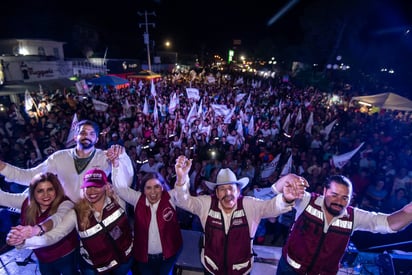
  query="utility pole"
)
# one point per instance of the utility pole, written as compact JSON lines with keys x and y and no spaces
{"x":146,"y":34}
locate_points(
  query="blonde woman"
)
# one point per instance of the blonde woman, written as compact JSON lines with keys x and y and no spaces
{"x":104,"y":230}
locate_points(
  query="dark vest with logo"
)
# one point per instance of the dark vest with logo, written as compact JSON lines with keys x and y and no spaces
{"x":108,"y":243}
{"x":169,"y":229}
{"x":55,"y":251}
{"x":310,"y":251}
{"x":229,"y":253}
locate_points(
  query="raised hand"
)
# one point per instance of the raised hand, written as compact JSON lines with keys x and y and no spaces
{"x":292,"y":186}
{"x":182,"y":168}
{"x":113,"y":154}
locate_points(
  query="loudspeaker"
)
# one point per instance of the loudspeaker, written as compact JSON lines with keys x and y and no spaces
{"x":395,"y":264}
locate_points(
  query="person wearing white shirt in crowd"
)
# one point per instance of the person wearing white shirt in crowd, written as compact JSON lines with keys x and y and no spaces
{"x":151,"y":166}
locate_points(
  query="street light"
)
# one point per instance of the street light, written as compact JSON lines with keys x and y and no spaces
{"x":168,"y":46}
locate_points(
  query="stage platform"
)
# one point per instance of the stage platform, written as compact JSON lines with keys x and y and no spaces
{"x":22,"y":262}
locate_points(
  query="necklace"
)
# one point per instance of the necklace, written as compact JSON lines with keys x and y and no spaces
{"x":81,"y":163}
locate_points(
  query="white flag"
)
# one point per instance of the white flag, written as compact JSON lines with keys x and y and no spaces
{"x":82,"y":87}
{"x":288,"y":167}
{"x":100,"y":106}
{"x":193,"y":93}
{"x":205,"y":130}
{"x":210,"y":79}
{"x":28,"y":101}
{"x":145,"y":107}
{"x":286,"y":124}
{"x":251,"y":127}
{"x":328,"y":129}
{"x":270,"y":168}
{"x":239,"y":81}
{"x":126,"y":104}
{"x":239,"y":97}
{"x":248,"y":101}
{"x":299,"y":116}
{"x":239,"y":127}
{"x":140,"y":85}
{"x":173,"y":104}
{"x":153,"y":89}
{"x":228,"y":117}
{"x":220,"y":109}
{"x":192,"y":114}
{"x":70,"y":138}
{"x":243,"y":116}
{"x":200,"y":109}
{"x":309,"y":124}
{"x":155,"y":113}
{"x":254,"y":83}
{"x":341,"y":160}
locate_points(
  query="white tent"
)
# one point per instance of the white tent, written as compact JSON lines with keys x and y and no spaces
{"x":389,"y":101}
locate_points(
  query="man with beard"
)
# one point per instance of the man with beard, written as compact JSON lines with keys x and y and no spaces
{"x":230,"y":220}
{"x":71,"y":164}
{"x":323,"y":226}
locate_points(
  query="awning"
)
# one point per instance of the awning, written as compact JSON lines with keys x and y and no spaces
{"x":145,"y":75}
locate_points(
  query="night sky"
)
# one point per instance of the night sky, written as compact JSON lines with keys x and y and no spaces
{"x":189,"y":24}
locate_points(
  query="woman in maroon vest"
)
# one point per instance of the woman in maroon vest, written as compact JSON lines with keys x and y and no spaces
{"x":102,"y":224}
{"x":157,"y":235}
{"x":45,"y":200}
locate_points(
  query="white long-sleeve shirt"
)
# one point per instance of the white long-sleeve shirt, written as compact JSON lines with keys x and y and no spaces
{"x":62,"y":164}
{"x":15,"y":200}
{"x":132,"y":196}
{"x":362,"y":220}
{"x":62,"y":229}
{"x":255,"y":209}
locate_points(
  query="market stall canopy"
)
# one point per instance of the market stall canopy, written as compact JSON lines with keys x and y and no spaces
{"x":389,"y":101}
{"x":110,"y":80}
{"x":145,"y":75}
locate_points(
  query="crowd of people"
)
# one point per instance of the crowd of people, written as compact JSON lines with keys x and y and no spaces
{"x":149,"y":131}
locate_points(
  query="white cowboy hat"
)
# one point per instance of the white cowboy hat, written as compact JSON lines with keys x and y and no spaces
{"x":226,"y":176}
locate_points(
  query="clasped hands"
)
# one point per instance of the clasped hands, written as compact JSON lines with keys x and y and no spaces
{"x":292,"y":186}
{"x":18,"y":234}
{"x":113,"y":154}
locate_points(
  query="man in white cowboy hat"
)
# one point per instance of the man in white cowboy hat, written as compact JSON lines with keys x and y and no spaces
{"x":229,"y":219}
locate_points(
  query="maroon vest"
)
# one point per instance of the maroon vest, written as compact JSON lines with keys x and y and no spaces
{"x":108,"y":243}
{"x":169,"y":229}
{"x":55,"y":251}
{"x":231,"y":253}
{"x":309,"y":250}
